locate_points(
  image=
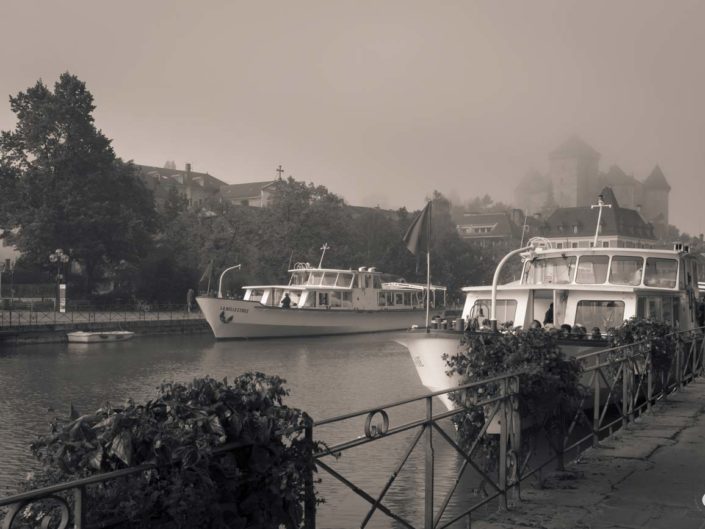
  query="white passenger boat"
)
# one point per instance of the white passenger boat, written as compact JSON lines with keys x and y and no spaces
{"x":99,"y":336}
{"x":321,"y":301}
{"x":592,"y":289}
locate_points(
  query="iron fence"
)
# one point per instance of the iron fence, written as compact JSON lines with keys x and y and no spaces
{"x":621,"y":382}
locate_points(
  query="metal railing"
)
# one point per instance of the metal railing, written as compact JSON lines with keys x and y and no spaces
{"x":623,"y":383}
{"x":27,"y":317}
{"x":426,"y":430}
{"x":70,"y":499}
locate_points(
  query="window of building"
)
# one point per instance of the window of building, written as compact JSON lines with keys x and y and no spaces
{"x":602,"y":314}
{"x":626,"y":270}
{"x":592,"y":269}
{"x":661,"y":272}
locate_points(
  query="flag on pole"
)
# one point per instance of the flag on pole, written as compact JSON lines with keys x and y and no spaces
{"x":417,"y":237}
{"x":207,"y":273}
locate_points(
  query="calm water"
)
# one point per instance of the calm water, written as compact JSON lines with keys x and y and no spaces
{"x":326,"y":377}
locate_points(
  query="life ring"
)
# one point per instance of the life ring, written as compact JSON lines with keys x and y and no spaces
{"x":373,"y":431}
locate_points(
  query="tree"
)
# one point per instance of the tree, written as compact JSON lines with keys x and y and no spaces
{"x":71,"y":190}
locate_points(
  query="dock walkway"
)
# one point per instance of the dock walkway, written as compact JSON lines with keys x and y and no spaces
{"x":649,"y":475}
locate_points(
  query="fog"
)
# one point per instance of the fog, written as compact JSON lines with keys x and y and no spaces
{"x":382,"y":101}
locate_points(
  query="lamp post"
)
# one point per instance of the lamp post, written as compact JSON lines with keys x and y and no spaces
{"x":59,"y":257}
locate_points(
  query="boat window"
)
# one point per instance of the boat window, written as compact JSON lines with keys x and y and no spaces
{"x":298,"y":278}
{"x":347,"y":298}
{"x":592,"y":269}
{"x":505,"y":310}
{"x":407,"y":298}
{"x":314,"y":278}
{"x":399,"y":298}
{"x":553,"y":270}
{"x":335,"y":299}
{"x":390,"y":299}
{"x":322,"y":299}
{"x":382,"y":299}
{"x":376,"y":281}
{"x":329,"y":279}
{"x":658,"y":308}
{"x":599,"y":313}
{"x":256,"y":294}
{"x":626,"y":270}
{"x":661,"y":272}
{"x":308,"y":299}
{"x":344,"y":280}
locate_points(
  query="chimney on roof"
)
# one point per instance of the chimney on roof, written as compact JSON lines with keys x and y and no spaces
{"x":188,"y":168}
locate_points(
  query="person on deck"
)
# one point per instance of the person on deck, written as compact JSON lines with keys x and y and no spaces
{"x":548,"y":317}
{"x":286,"y":301}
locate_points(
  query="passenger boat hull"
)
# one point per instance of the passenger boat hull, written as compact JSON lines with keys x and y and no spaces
{"x":429,"y":349}
{"x":230,"y":318}
{"x":95,"y":337}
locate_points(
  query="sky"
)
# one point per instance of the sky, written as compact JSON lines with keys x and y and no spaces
{"x":380,"y":101}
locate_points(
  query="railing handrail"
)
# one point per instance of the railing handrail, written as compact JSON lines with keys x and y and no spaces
{"x":409,"y":400}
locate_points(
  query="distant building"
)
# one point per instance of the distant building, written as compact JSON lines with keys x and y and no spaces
{"x":574,"y":227}
{"x":574,"y":180}
{"x":256,"y":194}
{"x":492,"y":230}
{"x":195,"y":187}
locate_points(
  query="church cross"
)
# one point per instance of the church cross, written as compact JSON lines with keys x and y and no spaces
{"x":280,"y":170}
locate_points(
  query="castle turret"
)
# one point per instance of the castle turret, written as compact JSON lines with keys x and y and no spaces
{"x":574,"y":173}
{"x":655,"y":206}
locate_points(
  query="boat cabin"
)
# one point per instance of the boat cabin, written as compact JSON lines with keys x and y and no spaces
{"x":361,"y":289}
{"x":594,"y":289}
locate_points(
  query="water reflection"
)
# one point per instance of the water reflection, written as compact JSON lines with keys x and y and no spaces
{"x":326,"y":377}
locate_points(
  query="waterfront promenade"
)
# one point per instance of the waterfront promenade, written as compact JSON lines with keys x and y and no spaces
{"x":37,"y":326}
{"x":649,"y":475}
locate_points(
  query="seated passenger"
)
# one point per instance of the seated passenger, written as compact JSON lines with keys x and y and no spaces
{"x":286,"y":301}
{"x":536,"y":324}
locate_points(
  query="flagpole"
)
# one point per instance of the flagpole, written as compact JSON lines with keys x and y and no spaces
{"x":428,"y":264}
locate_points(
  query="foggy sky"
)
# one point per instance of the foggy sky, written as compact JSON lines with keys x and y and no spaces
{"x":381,"y":101}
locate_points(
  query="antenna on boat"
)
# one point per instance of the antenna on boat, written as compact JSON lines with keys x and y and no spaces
{"x":324,"y":248}
{"x":600,"y":204}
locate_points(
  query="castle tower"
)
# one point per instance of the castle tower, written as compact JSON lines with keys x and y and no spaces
{"x":574,"y":173}
{"x":655,"y":207}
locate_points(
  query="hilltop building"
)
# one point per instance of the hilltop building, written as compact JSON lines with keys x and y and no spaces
{"x":574,"y":227}
{"x":574,"y":180}
{"x":196,"y":187}
{"x":492,"y":230}
{"x":256,"y":194}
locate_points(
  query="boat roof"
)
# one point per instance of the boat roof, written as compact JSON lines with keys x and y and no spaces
{"x":602,"y":287}
{"x":647,"y":252}
{"x":335,"y":270}
{"x":409,"y":286}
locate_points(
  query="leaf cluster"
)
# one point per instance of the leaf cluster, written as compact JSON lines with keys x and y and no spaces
{"x":659,"y":338}
{"x":257,"y":482}
{"x":549,"y":381}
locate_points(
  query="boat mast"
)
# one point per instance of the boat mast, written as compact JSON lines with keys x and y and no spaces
{"x":600,"y":204}
{"x":428,"y":265}
{"x":324,"y":248}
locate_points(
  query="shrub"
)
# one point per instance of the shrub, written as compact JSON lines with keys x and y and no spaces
{"x":260,"y":483}
{"x":660,"y":339}
{"x":549,"y":382}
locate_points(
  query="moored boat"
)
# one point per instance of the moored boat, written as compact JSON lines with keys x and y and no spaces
{"x":99,"y":336}
{"x":582,"y":291}
{"x":320,"y":301}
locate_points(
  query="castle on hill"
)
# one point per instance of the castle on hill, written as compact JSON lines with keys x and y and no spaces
{"x":574,"y":179}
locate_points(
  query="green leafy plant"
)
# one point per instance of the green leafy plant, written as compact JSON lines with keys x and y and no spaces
{"x":659,"y":338}
{"x":549,"y":382}
{"x":258,"y":482}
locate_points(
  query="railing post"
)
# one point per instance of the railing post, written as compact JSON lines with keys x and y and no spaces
{"x":310,"y":494}
{"x":649,"y":380}
{"x":625,"y":392}
{"x":503,"y":434}
{"x":515,"y":440}
{"x":429,"y":481}
{"x":596,"y":404}
{"x":79,"y":510}
{"x":679,"y":368}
